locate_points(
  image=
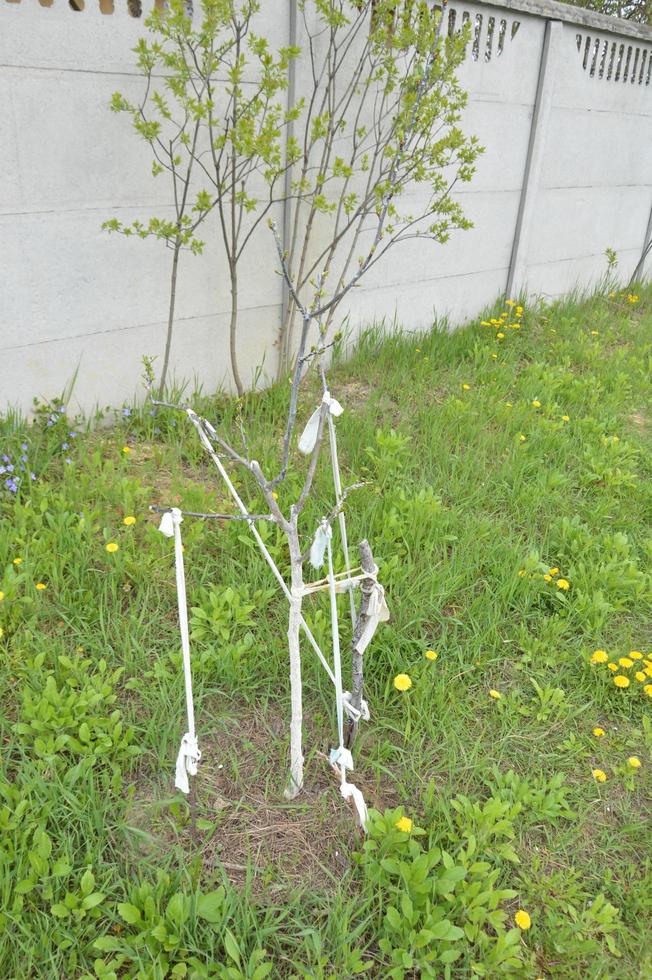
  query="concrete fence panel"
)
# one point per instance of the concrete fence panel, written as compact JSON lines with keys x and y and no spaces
{"x":561,"y":98}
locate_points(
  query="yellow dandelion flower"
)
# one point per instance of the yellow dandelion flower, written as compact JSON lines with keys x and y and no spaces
{"x":522,"y":919}
{"x":500,"y":335}
{"x":599,"y":775}
{"x":640,"y":676}
{"x":636,"y":654}
{"x":274,"y":495}
{"x":404,"y":825}
{"x":522,"y":573}
{"x":18,"y":561}
{"x":495,"y":357}
{"x":621,"y":681}
{"x":648,"y":671}
{"x":510,"y":302}
{"x":553,"y":571}
{"x":2,"y":595}
{"x":402,"y":682}
{"x":522,"y":437}
{"x":495,"y":694}
{"x":612,"y":666}
{"x":536,"y":403}
{"x":626,"y":662}
{"x":129,"y":521}
{"x":634,"y":762}
{"x":599,"y":657}
{"x":41,"y":586}
{"x":565,"y":418}
{"x":112,"y":547}
{"x":598,"y":732}
{"x":595,"y":333}
{"x":648,"y":690}
{"x":466,"y":387}
{"x":484,"y":323}
{"x":632,"y":298}
{"x":431,"y":655}
{"x":126,"y":449}
{"x":418,"y":350}
{"x":508,"y":404}
{"x":563,"y":583}
{"x":547,"y":578}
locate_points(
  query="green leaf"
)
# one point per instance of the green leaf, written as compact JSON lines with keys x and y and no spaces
{"x":210,"y":907}
{"x":231,"y":947}
{"x":178,"y":908}
{"x":61,"y":868}
{"x":107,"y":944}
{"x":96,"y":898}
{"x":129,"y":913}
{"x":87,"y":882}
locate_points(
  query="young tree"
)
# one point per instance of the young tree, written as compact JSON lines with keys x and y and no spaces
{"x":400,"y":104}
{"x":381,"y":120}
{"x":214,"y":115}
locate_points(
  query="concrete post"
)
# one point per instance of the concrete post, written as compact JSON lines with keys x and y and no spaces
{"x":647,"y":246}
{"x":517,"y":275}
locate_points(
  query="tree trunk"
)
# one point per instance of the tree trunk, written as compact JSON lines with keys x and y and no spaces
{"x":357,"y":656}
{"x":233,"y":331}
{"x":173,"y":297}
{"x":295,"y":781}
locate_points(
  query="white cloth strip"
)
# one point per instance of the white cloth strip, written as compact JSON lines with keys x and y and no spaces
{"x":341,"y":756}
{"x":362,"y":715}
{"x":377,"y":612}
{"x":189,"y":754}
{"x":197,"y":422}
{"x":308,"y":437}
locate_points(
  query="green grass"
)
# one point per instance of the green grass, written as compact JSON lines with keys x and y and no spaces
{"x":106,"y":873}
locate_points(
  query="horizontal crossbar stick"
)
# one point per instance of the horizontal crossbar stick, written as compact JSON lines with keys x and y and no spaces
{"x":214,"y":517}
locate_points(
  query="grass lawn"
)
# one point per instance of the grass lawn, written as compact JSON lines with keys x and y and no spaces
{"x":508,"y":500}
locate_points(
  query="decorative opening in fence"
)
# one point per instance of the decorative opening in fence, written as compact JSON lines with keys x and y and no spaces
{"x":133,"y":8}
{"x":485,"y":45}
{"x":615,"y":61}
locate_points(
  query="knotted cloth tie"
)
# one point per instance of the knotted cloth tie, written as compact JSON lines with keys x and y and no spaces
{"x":189,"y":754}
{"x":377,"y":612}
{"x":309,"y":435}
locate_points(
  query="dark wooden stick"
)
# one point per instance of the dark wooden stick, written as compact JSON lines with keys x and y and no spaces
{"x":368,"y":565}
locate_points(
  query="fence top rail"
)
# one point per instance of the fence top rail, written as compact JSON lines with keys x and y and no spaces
{"x":548,"y":9}
{"x":552,"y":10}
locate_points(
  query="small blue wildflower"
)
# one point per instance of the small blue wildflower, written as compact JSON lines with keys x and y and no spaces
{"x":24,"y":447}
{"x":23,"y":457}
{"x":32,"y":476}
{"x":68,"y":460}
{"x":126,"y":412}
{"x":10,"y":468}
{"x":73,"y":435}
{"x":64,"y":445}
{"x":5,"y":458}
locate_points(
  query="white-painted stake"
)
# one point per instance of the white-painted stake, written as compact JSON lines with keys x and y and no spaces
{"x":189,"y":754}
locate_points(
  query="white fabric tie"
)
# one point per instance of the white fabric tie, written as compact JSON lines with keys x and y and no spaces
{"x":187,"y":760}
{"x":377,"y":612}
{"x":323,"y":535}
{"x":309,"y":435}
{"x":189,"y":754}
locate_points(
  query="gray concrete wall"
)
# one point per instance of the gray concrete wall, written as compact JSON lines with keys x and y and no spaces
{"x":564,"y":110}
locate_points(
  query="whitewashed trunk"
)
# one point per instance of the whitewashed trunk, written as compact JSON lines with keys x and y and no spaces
{"x":295,"y":781}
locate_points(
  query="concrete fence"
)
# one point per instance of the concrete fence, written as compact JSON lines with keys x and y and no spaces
{"x":561,"y":98}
